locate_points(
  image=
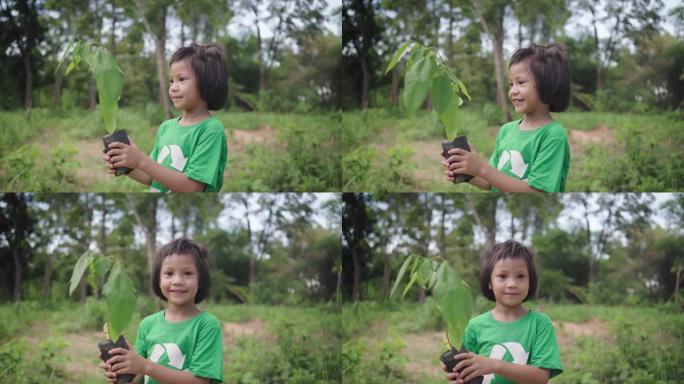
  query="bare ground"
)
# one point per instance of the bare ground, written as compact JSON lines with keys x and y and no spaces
{"x":238,"y":138}
{"x":253,"y":328}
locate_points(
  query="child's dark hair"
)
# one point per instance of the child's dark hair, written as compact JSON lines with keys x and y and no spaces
{"x":188,"y":247}
{"x":208,"y":62}
{"x":501,"y":251}
{"x":551,"y":70}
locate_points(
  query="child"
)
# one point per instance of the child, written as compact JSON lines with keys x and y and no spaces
{"x":531,"y":154}
{"x":508,"y":344}
{"x":181,"y":344}
{"x":190,"y":152}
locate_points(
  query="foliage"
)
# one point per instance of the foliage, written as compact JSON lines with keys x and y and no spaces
{"x":451,"y":293}
{"x":118,"y":290}
{"x":108,"y":77}
{"x":427,"y":72}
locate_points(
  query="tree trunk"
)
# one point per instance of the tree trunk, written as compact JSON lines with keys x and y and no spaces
{"x":497,"y":44}
{"x":47,"y":276}
{"x":28,"y":90}
{"x":356,"y":283}
{"x":597,"y":55}
{"x":112,"y":37}
{"x":386,"y":275}
{"x":365,"y":80}
{"x":57,"y":88}
{"x":159,"y":51}
{"x":450,"y":36}
{"x":92,"y":95}
{"x":394,"y":89}
{"x":17,"y":273}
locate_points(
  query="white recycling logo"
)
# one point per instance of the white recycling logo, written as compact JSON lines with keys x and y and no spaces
{"x":516,"y":350}
{"x":177,"y":159}
{"x":518,"y":166}
{"x":173,"y":352}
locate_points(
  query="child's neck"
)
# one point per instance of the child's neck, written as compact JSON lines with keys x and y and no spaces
{"x":535,"y":119}
{"x":507,"y":314}
{"x":195,"y":115}
{"x":176,"y":313}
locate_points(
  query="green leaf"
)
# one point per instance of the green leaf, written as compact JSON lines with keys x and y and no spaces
{"x":454,"y":300}
{"x":441,"y":94}
{"x":414,"y":275}
{"x":450,"y":74}
{"x":417,"y":83}
{"x":102,"y":265}
{"x":80,"y":267}
{"x":402,"y":271}
{"x":109,"y":83}
{"x":450,"y":116}
{"x":397,"y":56}
{"x":120,"y":294}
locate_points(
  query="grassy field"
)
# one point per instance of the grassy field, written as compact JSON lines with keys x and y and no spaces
{"x":61,"y":150}
{"x":402,"y":343}
{"x":58,"y":343}
{"x":387,"y":151}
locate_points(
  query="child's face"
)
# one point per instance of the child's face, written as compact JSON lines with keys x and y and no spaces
{"x":510,"y":281}
{"x":523,"y":89}
{"x":183,"y":86}
{"x":179,"y":280}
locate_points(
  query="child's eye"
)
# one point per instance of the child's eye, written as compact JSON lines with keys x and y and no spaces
{"x":188,"y":273}
{"x":168,"y":273}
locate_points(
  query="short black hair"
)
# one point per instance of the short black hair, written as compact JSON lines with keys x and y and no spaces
{"x":551,"y":70}
{"x":500,"y":251}
{"x":199,"y":255}
{"x":208,"y":62}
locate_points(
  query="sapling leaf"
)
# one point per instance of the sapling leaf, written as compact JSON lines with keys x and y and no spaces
{"x":397,"y":56}
{"x":441,"y":93}
{"x":109,"y":83}
{"x":449,"y":116}
{"x":120,"y":294}
{"x":79,"y":269}
{"x":102,"y":264}
{"x":402,"y":271}
{"x":414,"y":275}
{"x":454,"y":300}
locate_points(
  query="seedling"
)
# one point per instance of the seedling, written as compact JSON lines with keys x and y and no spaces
{"x":120,"y":297}
{"x":427,"y":72}
{"x":451,"y":293}
{"x":109,"y":81}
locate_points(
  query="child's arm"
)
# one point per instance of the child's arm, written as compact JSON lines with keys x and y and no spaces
{"x":471,"y":163}
{"x":129,"y":361}
{"x":473,"y":365}
{"x":123,"y":155}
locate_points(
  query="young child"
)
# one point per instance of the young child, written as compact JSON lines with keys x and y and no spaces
{"x":509,"y":344}
{"x":190,"y":151}
{"x":531,"y":154}
{"x":181,"y":344}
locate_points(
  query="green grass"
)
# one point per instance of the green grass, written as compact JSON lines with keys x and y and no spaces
{"x":382,"y":151}
{"x":59,"y":150}
{"x":46,"y":342}
{"x":639,"y":344}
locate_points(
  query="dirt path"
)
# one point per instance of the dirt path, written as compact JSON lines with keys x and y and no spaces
{"x":601,"y":135}
{"x":239,"y":138}
{"x":254,"y":328}
{"x":567,"y":332}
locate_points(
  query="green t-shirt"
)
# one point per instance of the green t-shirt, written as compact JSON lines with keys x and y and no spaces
{"x":540,"y":156}
{"x":199,"y":151}
{"x":530,"y":340}
{"x":192,"y":345}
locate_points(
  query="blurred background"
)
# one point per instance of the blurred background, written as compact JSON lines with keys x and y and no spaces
{"x":609,"y":270}
{"x":284,"y":88}
{"x":627,"y":69}
{"x":274,"y":260}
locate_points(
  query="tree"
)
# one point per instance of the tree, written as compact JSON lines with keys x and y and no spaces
{"x":356,"y":226}
{"x":361,"y":34}
{"x":16,"y":226}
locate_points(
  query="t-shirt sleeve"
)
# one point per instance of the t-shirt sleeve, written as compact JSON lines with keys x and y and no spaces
{"x":545,"y":353}
{"x":469,"y":339}
{"x":546,"y":171}
{"x":207,"y":358}
{"x":141,"y":341}
{"x":204,"y":163}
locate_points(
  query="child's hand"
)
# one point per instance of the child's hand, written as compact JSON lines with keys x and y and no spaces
{"x":464,"y":162}
{"x":124,"y":155}
{"x":452,"y":376}
{"x":126,"y":361}
{"x":111,"y":376}
{"x":471,"y":366}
